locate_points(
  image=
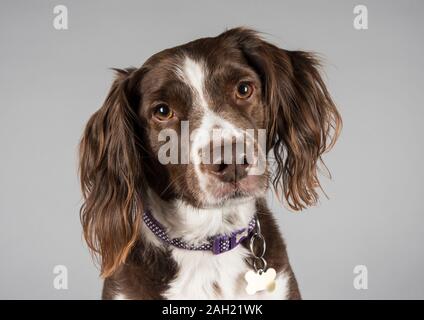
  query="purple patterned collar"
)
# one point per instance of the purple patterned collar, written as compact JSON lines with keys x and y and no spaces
{"x":217,"y":244}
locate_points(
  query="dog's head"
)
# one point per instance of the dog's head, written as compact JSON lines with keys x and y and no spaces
{"x":196,"y":123}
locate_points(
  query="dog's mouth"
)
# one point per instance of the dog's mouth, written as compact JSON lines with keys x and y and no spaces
{"x":243,"y":176}
{"x":248,"y":187}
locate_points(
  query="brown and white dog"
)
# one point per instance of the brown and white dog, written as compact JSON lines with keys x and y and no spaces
{"x":235,"y":81}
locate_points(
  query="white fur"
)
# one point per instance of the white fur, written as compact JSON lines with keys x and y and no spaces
{"x":193,"y":224}
{"x":193,"y":74}
{"x":198,"y":271}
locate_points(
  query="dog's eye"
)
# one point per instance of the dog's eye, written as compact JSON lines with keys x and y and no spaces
{"x":162,"y":112}
{"x":244,"y":90}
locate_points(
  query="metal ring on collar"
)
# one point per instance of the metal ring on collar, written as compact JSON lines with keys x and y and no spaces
{"x":264,"y":265}
{"x":252,"y":242}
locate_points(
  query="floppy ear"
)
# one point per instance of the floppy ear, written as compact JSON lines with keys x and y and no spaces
{"x":302,"y":120}
{"x":111,"y":174}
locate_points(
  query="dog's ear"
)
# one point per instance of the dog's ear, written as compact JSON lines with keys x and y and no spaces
{"x":302,"y":119}
{"x":111,"y":174}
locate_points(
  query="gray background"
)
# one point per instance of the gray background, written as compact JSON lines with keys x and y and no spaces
{"x":51,"y":81}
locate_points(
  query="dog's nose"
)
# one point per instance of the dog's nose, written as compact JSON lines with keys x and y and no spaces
{"x":228,"y":170}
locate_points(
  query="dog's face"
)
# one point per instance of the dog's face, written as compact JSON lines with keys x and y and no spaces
{"x":208,"y":86}
{"x":203,"y":98}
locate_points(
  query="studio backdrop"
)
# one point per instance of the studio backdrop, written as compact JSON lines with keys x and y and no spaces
{"x":363,"y":241}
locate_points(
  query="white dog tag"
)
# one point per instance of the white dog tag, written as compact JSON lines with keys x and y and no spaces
{"x":258,"y":281}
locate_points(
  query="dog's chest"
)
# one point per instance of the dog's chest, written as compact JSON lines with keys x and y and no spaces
{"x":203,"y":275}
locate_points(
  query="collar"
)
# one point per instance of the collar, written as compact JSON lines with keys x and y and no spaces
{"x":217,"y":244}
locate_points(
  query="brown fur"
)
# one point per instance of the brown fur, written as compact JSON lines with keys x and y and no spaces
{"x":147,"y":272}
{"x":119,"y":144}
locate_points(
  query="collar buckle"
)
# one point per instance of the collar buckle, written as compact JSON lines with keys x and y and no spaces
{"x":224,"y":243}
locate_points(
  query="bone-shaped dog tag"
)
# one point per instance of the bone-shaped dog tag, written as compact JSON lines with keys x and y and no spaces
{"x":261,"y":280}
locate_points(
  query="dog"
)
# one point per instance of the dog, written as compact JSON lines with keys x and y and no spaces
{"x":197,"y":230}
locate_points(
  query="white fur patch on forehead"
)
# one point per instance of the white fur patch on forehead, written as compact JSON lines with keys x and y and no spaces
{"x":193,"y":74}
